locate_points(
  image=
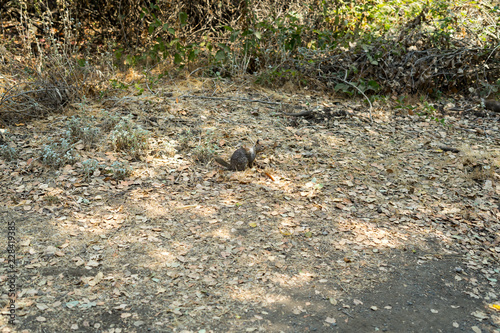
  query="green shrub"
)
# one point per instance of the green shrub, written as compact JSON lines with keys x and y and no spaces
{"x":56,"y":154}
{"x":120,"y":170}
{"x":129,"y":138}
{"x":89,"y":167}
{"x":278,"y":77}
{"x":82,"y":129}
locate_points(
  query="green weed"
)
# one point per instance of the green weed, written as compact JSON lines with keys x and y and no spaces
{"x":129,"y":138}
{"x":56,"y":155}
{"x":89,"y":167}
{"x":84,"y":130}
{"x":120,"y":170}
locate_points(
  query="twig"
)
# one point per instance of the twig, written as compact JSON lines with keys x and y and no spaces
{"x":197,"y":69}
{"x":147,"y":85}
{"x":347,"y":313}
{"x":24,"y":93}
{"x":361,"y":92}
{"x":453,"y":150}
{"x":232,"y":99}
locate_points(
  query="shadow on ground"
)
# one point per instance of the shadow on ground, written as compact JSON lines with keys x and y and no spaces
{"x":428,"y":296}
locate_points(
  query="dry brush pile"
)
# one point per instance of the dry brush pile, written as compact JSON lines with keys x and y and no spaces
{"x":54,"y":55}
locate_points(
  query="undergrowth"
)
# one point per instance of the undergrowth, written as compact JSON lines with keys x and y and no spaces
{"x":8,"y":153}
{"x":120,"y":170}
{"x":366,"y":47}
{"x":129,"y":138}
{"x":89,"y":167}
{"x":83,"y":129}
{"x":58,"y":154}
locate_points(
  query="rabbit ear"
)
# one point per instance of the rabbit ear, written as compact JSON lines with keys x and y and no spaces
{"x":257,"y":142}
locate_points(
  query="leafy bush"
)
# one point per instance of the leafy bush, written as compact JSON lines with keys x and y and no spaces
{"x":384,"y":47}
{"x":56,"y":154}
{"x":120,"y":170}
{"x":129,"y":138}
{"x":279,"y":76}
{"x":89,"y":167}
{"x":82,"y":129}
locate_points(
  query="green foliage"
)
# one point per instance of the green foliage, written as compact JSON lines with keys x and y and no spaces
{"x":84,"y":130}
{"x":8,"y":153}
{"x":429,"y":109}
{"x":56,"y":155}
{"x":166,"y":41}
{"x":129,"y":138}
{"x":429,"y":112}
{"x":381,"y":98}
{"x":122,"y":86}
{"x":277,"y":76}
{"x":370,"y":19}
{"x":118,"y":85}
{"x":120,"y":170}
{"x":89,"y":167}
{"x":401,"y":105}
{"x":353,"y":88}
{"x":261,"y":44}
{"x":139,"y":89}
{"x":278,"y":47}
{"x":251,"y":37}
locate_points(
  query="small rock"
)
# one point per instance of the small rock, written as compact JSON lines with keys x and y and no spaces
{"x":357,"y":302}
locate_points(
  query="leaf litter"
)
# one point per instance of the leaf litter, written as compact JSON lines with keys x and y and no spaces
{"x":334,"y":210}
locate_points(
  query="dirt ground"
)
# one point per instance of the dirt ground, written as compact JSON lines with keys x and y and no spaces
{"x":344,"y":224}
